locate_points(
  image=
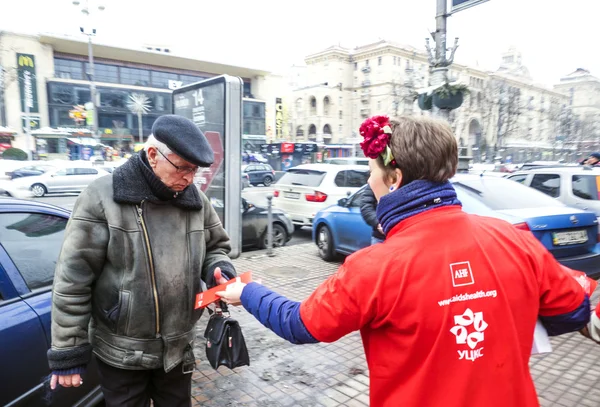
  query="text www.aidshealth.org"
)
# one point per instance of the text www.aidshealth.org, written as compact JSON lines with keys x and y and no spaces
{"x":468,"y":297}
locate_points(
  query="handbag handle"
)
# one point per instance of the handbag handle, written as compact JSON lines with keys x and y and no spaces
{"x":220,"y":308}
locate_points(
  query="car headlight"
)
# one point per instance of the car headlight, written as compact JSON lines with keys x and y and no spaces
{"x":287,"y":215}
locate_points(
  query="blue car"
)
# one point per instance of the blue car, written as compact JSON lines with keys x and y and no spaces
{"x":571,"y":235}
{"x":31,"y":236}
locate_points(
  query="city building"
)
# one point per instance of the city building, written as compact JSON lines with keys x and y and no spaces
{"x":52,"y":72}
{"x":506,"y":115}
{"x":582,"y":126}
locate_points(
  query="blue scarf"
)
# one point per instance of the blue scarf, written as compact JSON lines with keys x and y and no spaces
{"x":413,"y":198}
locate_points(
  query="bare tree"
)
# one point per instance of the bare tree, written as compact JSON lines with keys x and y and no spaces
{"x":501,"y":107}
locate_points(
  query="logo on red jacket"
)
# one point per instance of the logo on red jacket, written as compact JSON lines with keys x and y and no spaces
{"x":461,"y":274}
{"x":469,"y":330}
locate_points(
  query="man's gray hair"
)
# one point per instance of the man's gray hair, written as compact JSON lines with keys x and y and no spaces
{"x":159,"y":145}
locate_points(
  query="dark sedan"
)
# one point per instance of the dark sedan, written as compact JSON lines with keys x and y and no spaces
{"x":259,"y":174}
{"x":255,"y":222}
{"x":29,"y":171}
{"x":31,"y":235}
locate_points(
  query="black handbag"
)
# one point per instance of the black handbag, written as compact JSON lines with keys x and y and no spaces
{"x":225,"y":344}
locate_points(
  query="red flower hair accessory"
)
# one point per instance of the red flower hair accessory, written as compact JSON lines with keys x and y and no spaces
{"x":376,"y":132}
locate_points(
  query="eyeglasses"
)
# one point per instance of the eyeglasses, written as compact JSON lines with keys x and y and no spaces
{"x":180,"y":170}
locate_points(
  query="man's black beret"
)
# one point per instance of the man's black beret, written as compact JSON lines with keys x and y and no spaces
{"x":184,"y":139}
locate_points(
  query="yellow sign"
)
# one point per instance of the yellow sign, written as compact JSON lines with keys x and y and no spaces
{"x":278,"y":118}
{"x":24,"y":60}
{"x":108,"y":131}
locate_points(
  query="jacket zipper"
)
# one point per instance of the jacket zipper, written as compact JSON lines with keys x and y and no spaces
{"x":151,"y":264}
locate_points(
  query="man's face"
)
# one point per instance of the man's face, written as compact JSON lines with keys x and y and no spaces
{"x":592,"y":161}
{"x":175,"y":178}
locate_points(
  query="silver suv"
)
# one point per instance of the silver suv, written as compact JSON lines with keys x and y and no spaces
{"x":577,"y":187}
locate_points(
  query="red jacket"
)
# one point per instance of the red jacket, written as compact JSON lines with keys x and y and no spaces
{"x":446,"y":308}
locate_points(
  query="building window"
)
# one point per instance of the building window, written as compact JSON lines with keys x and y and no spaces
{"x":341,"y":114}
{"x":113,"y":98}
{"x":379,"y":105}
{"x":135,"y":76}
{"x":68,"y":69}
{"x":367,"y":62}
{"x":356,"y":66}
{"x":395,"y":60}
{"x":248,"y":90}
{"x":187,"y":79}
{"x":161,"y":79}
{"x":254,"y":118}
{"x":340,"y":128}
{"x":105,"y":73}
{"x":379,"y":60}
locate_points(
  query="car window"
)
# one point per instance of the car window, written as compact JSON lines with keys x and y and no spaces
{"x":502,"y":194}
{"x":86,"y":171}
{"x":586,"y":186}
{"x":519,"y":178}
{"x":33,"y":242}
{"x":307,"y":178}
{"x":356,"y":179}
{"x":547,"y":183}
{"x":251,"y":168}
{"x":66,"y":171}
{"x":340,"y":179}
{"x":351,"y":178}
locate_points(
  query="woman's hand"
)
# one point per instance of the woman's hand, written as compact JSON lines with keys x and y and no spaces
{"x":233,"y":293}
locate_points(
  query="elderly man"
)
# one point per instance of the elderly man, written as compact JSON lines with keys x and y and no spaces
{"x":136,"y":250}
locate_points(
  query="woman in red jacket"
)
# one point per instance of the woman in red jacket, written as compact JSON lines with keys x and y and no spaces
{"x":447,"y":305}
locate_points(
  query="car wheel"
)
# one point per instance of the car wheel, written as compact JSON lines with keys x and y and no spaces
{"x":325,"y":244}
{"x":38,"y":190}
{"x":279,"y":237}
{"x":268,"y":180}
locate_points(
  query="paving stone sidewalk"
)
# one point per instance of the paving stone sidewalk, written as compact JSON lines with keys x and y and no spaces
{"x":336,"y":374}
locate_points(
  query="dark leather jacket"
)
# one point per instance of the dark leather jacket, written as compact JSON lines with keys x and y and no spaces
{"x":368,"y":208}
{"x":129,"y":270}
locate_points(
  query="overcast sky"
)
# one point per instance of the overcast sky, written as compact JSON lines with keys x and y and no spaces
{"x":554,"y":36}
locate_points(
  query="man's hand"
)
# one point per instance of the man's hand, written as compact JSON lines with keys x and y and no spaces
{"x":380,"y":229}
{"x":72,"y":380}
{"x":219,"y":276}
{"x":233,"y":293}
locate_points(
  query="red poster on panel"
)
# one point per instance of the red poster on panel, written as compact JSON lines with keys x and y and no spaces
{"x":287,"y":147}
{"x":208,"y":174}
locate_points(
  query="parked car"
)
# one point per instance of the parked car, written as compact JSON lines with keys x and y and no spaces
{"x":29,"y":171}
{"x":31,"y":235}
{"x":571,"y":235}
{"x":60,"y":180}
{"x":255,"y":223}
{"x":259,"y":174}
{"x":574,"y":186}
{"x":348,"y":161}
{"x":306,"y":189}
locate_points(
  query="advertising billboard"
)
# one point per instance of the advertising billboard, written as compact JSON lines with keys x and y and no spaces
{"x":215,"y":106}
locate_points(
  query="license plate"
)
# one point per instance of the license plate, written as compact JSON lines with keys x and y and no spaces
{"x":569,"y":238}
{"x":291,"y":195}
